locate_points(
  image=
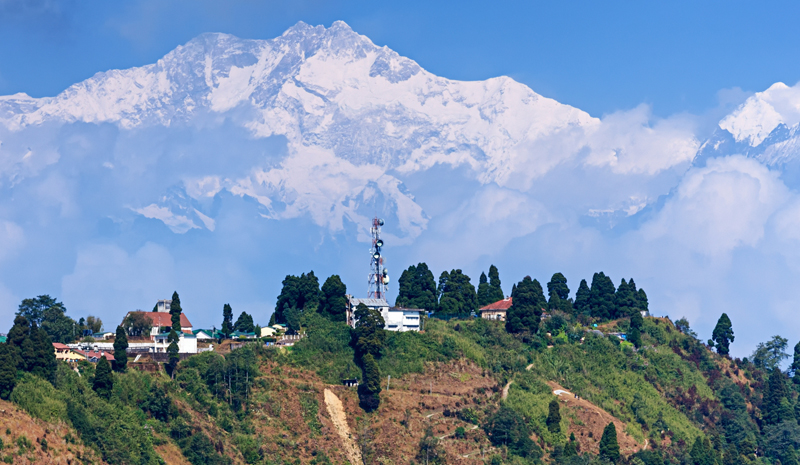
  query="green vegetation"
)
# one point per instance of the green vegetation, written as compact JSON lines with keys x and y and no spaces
{"x":662,"y":385}
{"x":416,"y":288}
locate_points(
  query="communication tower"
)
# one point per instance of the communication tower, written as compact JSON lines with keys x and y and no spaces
{"x":378,"y":275}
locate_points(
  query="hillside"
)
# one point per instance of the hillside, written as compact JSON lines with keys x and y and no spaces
{"x":669,"y":400}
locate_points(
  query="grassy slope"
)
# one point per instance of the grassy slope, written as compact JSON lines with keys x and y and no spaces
{"x":661,"y":393}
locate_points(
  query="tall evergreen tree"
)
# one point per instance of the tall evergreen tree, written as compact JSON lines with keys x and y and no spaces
{"x":103,"y":382}
{"x":244,"y":323}
{"x":120,"y":350}
{"x":369,"y":333}
{"x":723,"y":334}
{"x":17,"y":335}
{"x":298,"y":292}
{"x":571,"y":448}
{"x":794,"y":368}
{"x":38,"y":353}
{"x":626,"y":301}
{"x":173,"y":350}
{"x":417,"y":288}
{"x":553,"y":420}
{"x":494,"y":285}
{"x":370,"y":388}
{"x":8,"y":370}
{"x":558,"y":292}
{"x":775,"y":407}
{"x":484,"y":296}
{"x":601,"y":297}
{"x":641,"y":300}
{"x":609,"y":447}
{"x":581,"y":304}
{"x":333,"y":303}
{"x":635,"y":331}
{"x":175,"y":311}
{"x":227,"y":320}
{"x":457,"y":294}
{"x":526,"y":307}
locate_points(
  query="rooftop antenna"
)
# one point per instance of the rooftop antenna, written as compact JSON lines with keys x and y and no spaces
{"x":378,"y":275}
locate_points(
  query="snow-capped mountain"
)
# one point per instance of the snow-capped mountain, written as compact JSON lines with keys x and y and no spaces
{"x":765,"y":127}
{"x":353,"y":115}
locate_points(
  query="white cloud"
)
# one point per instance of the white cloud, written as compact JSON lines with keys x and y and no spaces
{"x":721,"y":206}
{"x":177,"y":223}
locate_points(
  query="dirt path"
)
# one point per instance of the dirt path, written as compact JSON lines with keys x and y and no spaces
{"x":506,"y":388}
{"x":339,"y":419}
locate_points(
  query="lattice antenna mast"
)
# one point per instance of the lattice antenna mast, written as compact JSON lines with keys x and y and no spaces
{"x":378,"y":275}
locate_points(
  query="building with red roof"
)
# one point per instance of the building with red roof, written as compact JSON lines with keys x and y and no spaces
{"x":497,"y":310}
{"x":161,"y":320}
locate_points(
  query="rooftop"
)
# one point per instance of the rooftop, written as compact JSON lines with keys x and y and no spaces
{"x":161,"y":319}
{"x":504,"y":304}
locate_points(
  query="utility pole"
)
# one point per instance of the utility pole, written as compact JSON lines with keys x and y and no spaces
{"x":388,"y":380}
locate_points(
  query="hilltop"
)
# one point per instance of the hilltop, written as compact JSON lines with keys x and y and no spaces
{"x":453,"y":390}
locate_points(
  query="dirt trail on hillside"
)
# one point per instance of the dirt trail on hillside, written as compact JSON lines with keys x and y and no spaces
{"x":339,"y":419}
{"x":594,"y":419}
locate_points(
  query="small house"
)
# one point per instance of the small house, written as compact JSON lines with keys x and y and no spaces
{"x":103,"y":335}
{"x":496,"y":311}
{"x":268,"y":331}
{"x":187,"y":343}
{"x":163,"y":320}
{"x":203,"y":335}
{"x":63,"y":352}
{"x":352,"y":382}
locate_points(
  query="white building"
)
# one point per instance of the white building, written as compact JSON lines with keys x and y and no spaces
{"x":395,"y":318}
{"x":163,"y":306}
{"x":187,"y":343}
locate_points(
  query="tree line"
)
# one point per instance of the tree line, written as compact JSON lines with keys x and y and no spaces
{"x":455,"y":295}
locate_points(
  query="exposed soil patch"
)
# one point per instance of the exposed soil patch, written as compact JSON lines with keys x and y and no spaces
{"x":594,"y":420}
{"x":34,"y":441}
{"x":339,"y":419}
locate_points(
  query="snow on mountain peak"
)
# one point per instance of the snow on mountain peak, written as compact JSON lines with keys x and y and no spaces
{"x":760,"y":114}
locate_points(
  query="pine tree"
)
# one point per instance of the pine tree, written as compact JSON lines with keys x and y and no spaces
{"x":333,"y":303}
{"x":641,"y":301}
{"x":457,"y":294}
{"x":244,"y":323}
{"x":558,"y":292}
{"x":609,"y":447}
{"x":601,"y":297}
{"x":723,"y":334}
{"x":794,"y":368}
{"x":120,"y":350}
{"x":776,"y":407}
{"x":484,"y":295}
{"x":635,"y":331}
{"x":103,"y":379}
{"x":173,"y":350}
{"x":494,"y":285}
{"x":571,"y":448}
{"x":38,"y":354}
{"x":581,"y":304}
{"x":526,"y":307}
{"x":299,"y":293}
{"x":417,"y":288}
{"x":369,"y":333}
{"x":370,"y":387}
{"x":626,"y":302}
{"x":553,"y":420}
{"x":8,"y":370}
{"x":175,"y":311}
{"x":227,"y":320}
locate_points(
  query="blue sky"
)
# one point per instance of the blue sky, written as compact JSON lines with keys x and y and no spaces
{"x":110,"y":214}
{"x":598,"y":56}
